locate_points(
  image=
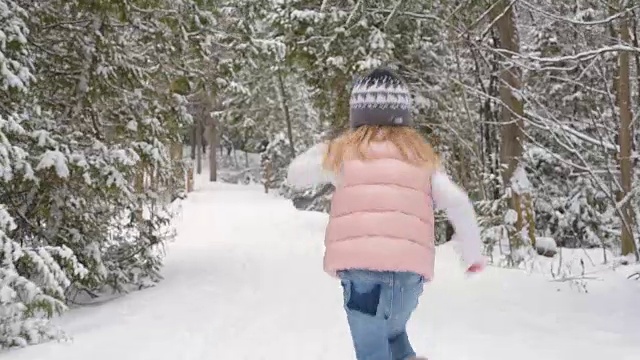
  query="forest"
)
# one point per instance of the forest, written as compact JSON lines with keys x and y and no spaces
{"x":106,"y":107}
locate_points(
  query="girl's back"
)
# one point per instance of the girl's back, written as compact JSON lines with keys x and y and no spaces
{"x":381,"y":213}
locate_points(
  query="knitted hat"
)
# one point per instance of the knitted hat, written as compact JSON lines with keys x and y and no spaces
{"x":380,"y":98}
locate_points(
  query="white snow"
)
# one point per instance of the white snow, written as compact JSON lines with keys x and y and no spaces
{"x":546,"y":244}
{"x":510,"y":217}
{"x":55,"y":159}
{"x":244,"y":280}
{"x":520,"y":182}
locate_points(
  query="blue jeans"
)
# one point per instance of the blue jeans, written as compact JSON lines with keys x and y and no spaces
{"x":378,"y":306}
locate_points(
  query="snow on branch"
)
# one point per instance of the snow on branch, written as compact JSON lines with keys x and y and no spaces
{"x":520,"y":183}
{"x":572,"y":132}
{"x":577,"y":22}
{"x":585,"y":55}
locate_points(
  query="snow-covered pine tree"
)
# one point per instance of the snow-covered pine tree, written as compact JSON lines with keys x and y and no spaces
{"x":104,"y":120}
{"x":33,"y":274}
{"x":87,"y":119}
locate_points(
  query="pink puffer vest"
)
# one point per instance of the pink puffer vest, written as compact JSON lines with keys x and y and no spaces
{"x":381,"y":216}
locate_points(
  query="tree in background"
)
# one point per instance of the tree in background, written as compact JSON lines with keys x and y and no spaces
{"x":547,"y":169}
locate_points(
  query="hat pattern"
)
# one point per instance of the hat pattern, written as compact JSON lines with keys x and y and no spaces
{"x":380,"y":98}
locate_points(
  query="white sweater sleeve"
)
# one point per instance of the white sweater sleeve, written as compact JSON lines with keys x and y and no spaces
{"x":306,"y":169}
{"x":454,"y":201}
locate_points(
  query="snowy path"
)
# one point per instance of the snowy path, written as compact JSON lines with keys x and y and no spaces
{"x":244,"y":281}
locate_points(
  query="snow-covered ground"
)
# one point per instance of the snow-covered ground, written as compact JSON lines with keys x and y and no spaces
{"x":244,"y":280}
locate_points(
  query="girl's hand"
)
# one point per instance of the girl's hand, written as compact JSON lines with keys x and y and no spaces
{"x":475,"y":268}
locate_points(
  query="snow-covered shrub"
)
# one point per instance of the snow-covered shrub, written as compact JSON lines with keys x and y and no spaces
{"x":546,"y":246}
{"x":33,"y":277}
{"x":33,"y":281}
{"x":498,"y":222}
{"x":86,"y":123}
{"x":274,"y":161}
{"x":569,"y":207}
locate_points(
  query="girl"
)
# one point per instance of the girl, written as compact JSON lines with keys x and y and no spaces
{"x":380,"y":236}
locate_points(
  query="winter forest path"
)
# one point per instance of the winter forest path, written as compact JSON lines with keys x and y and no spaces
{"x":244,"y":280}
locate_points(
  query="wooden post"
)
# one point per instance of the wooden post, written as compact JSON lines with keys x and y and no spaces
{"x":190,"y":178}
{"x":267,"y":169}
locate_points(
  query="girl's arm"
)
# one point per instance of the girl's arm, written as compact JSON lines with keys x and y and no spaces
{"x":454,"y":201}
{"x":306,"y":169}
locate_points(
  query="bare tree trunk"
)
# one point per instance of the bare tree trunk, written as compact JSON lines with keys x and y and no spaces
{"x":636,"y":44}
{"x":205,"y":138}
{"x":287,"y":116}
{"x":198,"y":147}
{"x":213,"y":143}
{"x":176,"y":183}
{"x":193,"y":141}
{"x":624,"y":139}
{"x":512,"y":113}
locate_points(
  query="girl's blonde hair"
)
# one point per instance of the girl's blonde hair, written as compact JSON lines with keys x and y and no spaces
{"x":412,"y":146}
